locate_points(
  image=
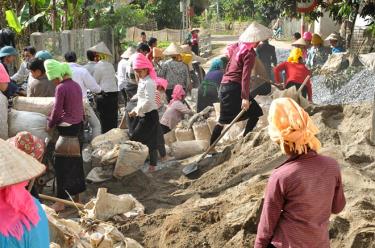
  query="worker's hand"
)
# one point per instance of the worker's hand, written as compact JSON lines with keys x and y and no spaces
{"x":133,"y":114}
{"x":245,"y":104}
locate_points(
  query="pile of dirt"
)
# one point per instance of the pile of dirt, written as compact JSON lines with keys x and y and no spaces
{"x":221,"y":208}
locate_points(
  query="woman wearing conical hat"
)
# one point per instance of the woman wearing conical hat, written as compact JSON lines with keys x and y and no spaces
{"x":105,"y":76}
{"x":236,"y":84}
{"x":23,"y":222}
{"x":174,"y":70}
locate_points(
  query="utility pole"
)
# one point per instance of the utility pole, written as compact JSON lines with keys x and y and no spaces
{"x":184,"y":9}
{"x":218,"y":10}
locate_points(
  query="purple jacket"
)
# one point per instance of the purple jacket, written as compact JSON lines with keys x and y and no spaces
{"x":68,"y":104}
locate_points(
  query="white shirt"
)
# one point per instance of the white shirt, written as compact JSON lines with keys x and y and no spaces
{"x":105,"y":75}
{"x":121,"y":73}
{"x":21,"y":75}
{"x":84,"y":79}
{"x":90,"y":66}
{"x":146,"y":96}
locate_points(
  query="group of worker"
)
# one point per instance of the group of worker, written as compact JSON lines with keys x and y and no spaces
{"x":301,"y":193}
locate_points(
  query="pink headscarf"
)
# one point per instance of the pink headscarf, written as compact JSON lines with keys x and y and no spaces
{"x":307,"y":36}
{"x":17,"y":209}
{"x":141,"y":62}
{"x":161,"y":82}
{"x":4,"y":77}
{"x":178,"y":93}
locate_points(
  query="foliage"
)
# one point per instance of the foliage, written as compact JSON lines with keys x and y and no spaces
{"x":163,"y":44}
{"x":165,"y":12}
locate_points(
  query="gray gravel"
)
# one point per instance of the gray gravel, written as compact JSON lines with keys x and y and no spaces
{"x":353,"y":85}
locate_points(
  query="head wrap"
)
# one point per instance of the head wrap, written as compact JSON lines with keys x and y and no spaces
{"x":295,"y":54}
{"x":29,"y":144}
{"x":316,"y":40}
{"x":55,"y":69}
{"x":8,"y":51}
{"x":178,"y":93}
{"x":18,"y":210}
{"x":141,"y":62}
{"x":161,"y":82}
{"x":290,"y":125}
{"x":4,"y":77}
{"x":307,"y":36}
{"x":186,"y":58}
{"x":217,"y":64}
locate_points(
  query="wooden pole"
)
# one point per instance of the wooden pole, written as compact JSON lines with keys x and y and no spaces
{"x":54,"y":199}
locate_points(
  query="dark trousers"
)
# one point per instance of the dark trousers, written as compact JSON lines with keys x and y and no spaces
{"x":195,"y":49}
{"x":168,"y":93}
{"x":107,"y":107}
{"x":165,"y":129}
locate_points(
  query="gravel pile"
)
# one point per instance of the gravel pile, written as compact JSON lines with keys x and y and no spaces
{"x":361,"y":87}
{"x":351,"y":86}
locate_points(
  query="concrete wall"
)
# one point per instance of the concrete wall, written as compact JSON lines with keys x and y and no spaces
{"x":325,"y":26}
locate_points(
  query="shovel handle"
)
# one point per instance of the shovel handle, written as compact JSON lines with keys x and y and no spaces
{"x":221,"y":135}
{"x":54,"y":199}
{"x":303,"y":84}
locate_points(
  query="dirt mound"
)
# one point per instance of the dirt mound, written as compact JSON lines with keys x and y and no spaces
{"x":221,"y":208}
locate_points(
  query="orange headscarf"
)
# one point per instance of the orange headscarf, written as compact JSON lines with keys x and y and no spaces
{"x":289,"y":124}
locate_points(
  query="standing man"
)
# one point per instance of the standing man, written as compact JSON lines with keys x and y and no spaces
{"x":236,"y":86}
{"x":126,"y":84}
{"x":23,"y":73}
{"x":267,"y":54}
{"x":105,"y":76}
{"x":143,"y":38}
{"x":87,"y":82}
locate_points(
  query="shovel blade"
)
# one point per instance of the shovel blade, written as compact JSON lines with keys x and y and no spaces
{"x":190,"y":169}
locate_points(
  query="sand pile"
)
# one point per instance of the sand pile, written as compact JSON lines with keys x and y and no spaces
{"x":221,"y":208}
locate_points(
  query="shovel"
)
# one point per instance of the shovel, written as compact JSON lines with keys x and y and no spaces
{"x":193,"y":167}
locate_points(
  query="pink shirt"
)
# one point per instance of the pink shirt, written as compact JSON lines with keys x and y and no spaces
{"x":174,"y":114}
{"x":300,"y":197}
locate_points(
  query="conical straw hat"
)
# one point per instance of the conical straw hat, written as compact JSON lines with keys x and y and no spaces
{"x":17,"y":166}
{"x":172,"y":49}
{"x":255,"y":33}
{"x":101,"y":48}
{"x":299,"y":42}
{"x":128,"y":53}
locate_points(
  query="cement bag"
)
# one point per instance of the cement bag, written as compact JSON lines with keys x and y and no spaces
{"x":201,"y":131}
{"x":368,"y":60}
{"x":35,"y":123}
{"x":183,"y":134}
{"x":111,"y":157}
{"x":3,"y":117}
{"x":132,"y":156}
{"x":217,"y":110}
{"x":335,"y":63}
{"x":185,"y":149}
{"x":170,"y":138}
{"x":114,"y":136}
{"x":234,"y":132}
{"x":100,"y":174}
{"x":106,"y":206}
{"x":42,"y":105}
{"x":211,"y":123}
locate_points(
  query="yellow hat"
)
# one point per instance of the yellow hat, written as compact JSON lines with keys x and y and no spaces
{"x":316,"y":40}
{"x":187,"y":58}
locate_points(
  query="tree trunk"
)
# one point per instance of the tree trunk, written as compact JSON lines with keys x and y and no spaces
{"x":53,"y":16}
{"x":66,"y":14}
{"x":353,"y":20}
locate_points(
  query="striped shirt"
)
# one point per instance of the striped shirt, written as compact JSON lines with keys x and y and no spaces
{"x":300,"y":197}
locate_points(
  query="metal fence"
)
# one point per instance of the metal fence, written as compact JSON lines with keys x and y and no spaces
{"x":58,"y":43}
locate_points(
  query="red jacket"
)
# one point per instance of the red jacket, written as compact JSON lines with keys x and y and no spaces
{"x":295,"y":73}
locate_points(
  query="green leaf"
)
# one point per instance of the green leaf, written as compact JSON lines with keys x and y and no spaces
{"x":34,"y":18}
{"x":25,"y":13}
{"x":12,"y":20}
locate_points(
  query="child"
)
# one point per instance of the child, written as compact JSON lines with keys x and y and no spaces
{"x":146,"y":129}
{"x":175,"y":110}
{"x":39,"y":85}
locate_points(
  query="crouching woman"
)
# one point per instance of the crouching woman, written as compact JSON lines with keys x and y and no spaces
{"x":302,"y":193}
{"x":147,"y":123}
{"x":67,"y":117}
